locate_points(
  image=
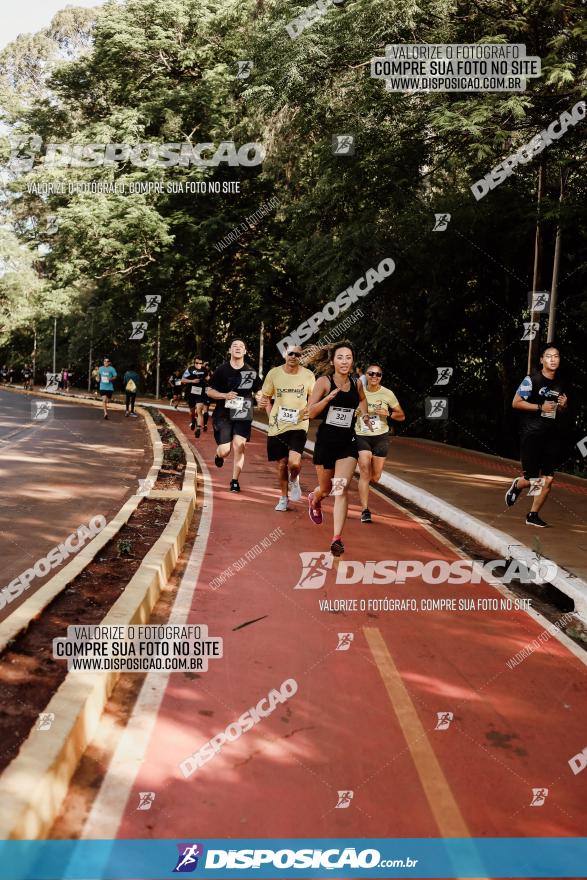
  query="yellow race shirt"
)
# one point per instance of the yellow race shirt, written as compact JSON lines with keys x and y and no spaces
{"x":290,"y":392}
{"x":375,"y":400}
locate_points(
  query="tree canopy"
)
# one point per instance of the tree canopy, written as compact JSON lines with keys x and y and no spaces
{"x":166,"y":71}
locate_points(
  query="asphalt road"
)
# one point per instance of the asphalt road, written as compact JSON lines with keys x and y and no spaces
{"x":59,"y":471}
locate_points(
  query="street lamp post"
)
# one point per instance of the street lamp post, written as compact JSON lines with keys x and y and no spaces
{"x":556,"y":264}
{"x":54,"y":344}
{"x":158,"y":357}
{"x":90,"y":356}
{"x":261,"y":348}
{"x":34,"y":351}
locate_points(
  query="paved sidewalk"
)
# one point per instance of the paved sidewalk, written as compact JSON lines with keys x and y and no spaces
{"x":476,"y":483}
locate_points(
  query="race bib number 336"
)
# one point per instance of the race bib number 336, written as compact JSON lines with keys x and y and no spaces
{"x":288,"y":415}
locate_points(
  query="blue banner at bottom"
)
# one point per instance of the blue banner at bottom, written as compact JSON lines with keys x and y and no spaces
{"x":306,"y":857}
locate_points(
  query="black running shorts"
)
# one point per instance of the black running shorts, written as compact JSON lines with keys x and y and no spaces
{"x":327,"y":454}
{"x":280,"y":445}
{"x":540,"y":455}
{"x":225,"y":429}
{"x":376,"y":444}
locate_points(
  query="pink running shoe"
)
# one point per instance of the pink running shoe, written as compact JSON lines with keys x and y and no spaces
{"x":315,"y":513}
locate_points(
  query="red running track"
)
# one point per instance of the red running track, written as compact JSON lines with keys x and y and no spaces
{"x":363,"y":719}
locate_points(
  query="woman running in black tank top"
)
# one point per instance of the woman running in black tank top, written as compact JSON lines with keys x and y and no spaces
{"x":335,"y":400}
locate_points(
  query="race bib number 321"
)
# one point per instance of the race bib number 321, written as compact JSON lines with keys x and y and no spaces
{"x":340,"y":416}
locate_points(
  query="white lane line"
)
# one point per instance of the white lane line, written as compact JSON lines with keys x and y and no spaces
{"x":108,"y":807}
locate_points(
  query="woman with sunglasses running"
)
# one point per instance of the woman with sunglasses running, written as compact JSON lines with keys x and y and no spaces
{"x":373,"y":444}
{"x":335,"y":399}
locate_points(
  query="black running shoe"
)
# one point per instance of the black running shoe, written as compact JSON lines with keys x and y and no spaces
{"x":234,"y":486}
{"x":512,"y":494}
{"x":337,"y":548}
{"x":192,"y":424}
{"x":205,"y":428}
{"x":366,"y":516}
{"x":218,"y":461}
{"x":198,"y":432}
{"x":534,"y":520}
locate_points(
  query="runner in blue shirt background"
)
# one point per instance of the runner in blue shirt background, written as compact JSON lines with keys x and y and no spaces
{"x":107,"y":374}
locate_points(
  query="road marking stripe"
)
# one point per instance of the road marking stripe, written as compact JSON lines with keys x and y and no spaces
{"x":435,"y":784}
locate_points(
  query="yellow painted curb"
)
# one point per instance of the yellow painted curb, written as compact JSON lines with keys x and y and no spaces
{"x":33,"y":786}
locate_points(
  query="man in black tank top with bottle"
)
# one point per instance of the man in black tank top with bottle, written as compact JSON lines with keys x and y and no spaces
{"x":540,"y":400}
{"x":335,"y":400}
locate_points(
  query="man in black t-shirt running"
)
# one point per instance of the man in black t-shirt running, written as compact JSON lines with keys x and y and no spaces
{"x":27,"y":378}
{"x":540,"y":399}
{"x":194,"y":380}
{"x":233,"y":387}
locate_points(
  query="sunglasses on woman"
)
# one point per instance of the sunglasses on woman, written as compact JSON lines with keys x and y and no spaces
{"x":371,"y":373}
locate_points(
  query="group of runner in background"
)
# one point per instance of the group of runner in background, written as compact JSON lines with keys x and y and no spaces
{"x":354,"y":408}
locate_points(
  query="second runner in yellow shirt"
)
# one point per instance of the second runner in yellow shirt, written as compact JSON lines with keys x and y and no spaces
{"x":289,"y":387}
{"x":373,"y":445}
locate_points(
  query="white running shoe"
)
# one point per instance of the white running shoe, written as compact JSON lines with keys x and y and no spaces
{"x":295,"y":490}
{"x":282,"y":503}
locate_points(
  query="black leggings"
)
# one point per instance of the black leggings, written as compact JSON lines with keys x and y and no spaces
{"x":131,"y":396}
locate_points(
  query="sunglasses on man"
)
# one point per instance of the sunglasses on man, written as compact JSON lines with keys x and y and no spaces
{"x":294,"y":354}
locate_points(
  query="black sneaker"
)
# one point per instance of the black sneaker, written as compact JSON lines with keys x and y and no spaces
{"x":534,"y":520}
{"x":366,"y":516}
{"x":198,"y":432}
{"x":512,"y":494}
{"x":337,"y":548}
{"x":192,"y":424}
{"x":234,"y":486}
{"x":205,"y":428}
{"x":218,"y":461}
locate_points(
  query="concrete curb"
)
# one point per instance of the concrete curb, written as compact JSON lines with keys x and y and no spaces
{"x":504,"y":545}
{"x":33,"y":786}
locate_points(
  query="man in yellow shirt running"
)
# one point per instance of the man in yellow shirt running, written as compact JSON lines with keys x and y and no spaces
{"x":373,"y":444}
{"x":289,"y":387}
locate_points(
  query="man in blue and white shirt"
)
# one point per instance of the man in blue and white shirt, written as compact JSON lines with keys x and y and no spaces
{"x":539,"y":399}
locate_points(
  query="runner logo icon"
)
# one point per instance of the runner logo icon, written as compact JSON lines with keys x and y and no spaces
{"x":152,"y":302}
{"x":444,"y":719}
{"x":441,"y":222}
{"x":45,"y":720}
{"x":444,"y":374}
{"x":314,"y":568}
{"x":344,"y":800}
{"x":187,"y":861}
{"x":138,"y":329}
{"x":146,"y":799}
{"x":539,"y":795}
